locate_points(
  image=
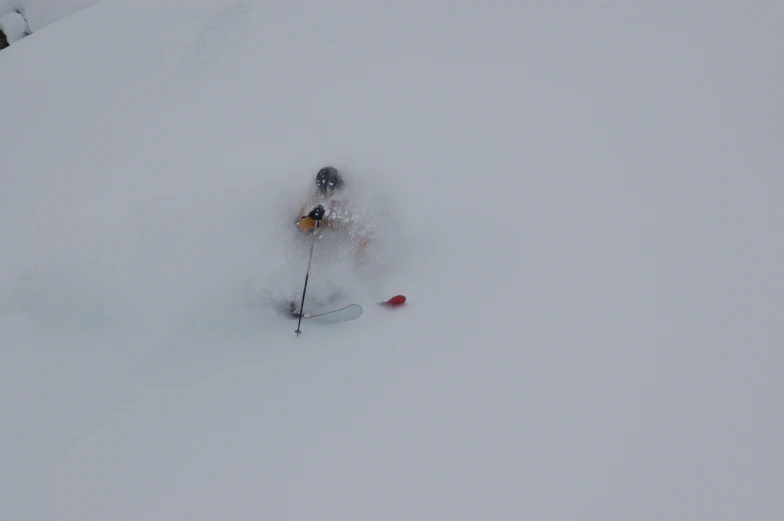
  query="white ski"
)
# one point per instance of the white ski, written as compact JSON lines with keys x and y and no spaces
{"x":350,"y":312}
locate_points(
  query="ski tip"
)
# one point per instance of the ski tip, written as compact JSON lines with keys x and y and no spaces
{"x":397,"y":300}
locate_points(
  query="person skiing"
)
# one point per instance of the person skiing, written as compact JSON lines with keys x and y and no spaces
{"x":330,"y":210}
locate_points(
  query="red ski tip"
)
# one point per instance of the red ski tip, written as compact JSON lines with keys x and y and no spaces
{"x":396,"y":300}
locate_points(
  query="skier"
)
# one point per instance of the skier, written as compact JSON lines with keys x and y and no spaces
{"x":330,"y":208}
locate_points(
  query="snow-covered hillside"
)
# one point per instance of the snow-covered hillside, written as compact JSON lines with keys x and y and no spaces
{"x":19,"y":18}
{"x":581,"y":202}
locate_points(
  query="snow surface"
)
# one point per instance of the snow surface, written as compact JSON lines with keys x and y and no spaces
{"x":36,"y":14}
{"x":6,"y":6}
{"x":40,"y":13}
{"x":581,"y":202}
{"x":13,"y":26}
{"x":22,"y":5}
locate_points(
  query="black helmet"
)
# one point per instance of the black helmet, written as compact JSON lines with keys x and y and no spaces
{"x":328,"y":178}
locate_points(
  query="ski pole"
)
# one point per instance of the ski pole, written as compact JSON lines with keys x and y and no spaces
{"x":307,"y":274}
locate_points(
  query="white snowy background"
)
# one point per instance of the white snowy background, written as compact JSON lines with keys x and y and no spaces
{"x":22,"y":17}
{"x":581,"y":200}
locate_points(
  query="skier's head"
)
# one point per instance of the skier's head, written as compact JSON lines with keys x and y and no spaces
{"x":328,"y":179}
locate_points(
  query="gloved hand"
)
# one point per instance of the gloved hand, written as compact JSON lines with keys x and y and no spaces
{"x":317,"y":213}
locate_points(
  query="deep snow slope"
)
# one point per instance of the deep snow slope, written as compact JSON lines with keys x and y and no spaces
{"x":37,"y":14}
{"x":42,"y":13}
{"x":582,"y":203}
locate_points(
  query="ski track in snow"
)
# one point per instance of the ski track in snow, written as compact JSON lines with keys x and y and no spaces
{"x":582,"y":206}
{"x":225,"y":34}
